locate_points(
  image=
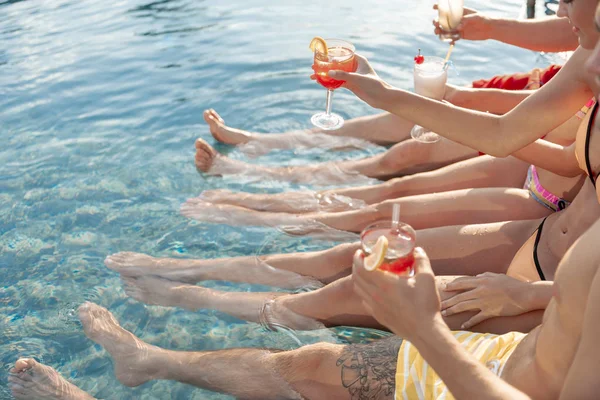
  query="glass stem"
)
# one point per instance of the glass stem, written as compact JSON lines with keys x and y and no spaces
{"x":328,"y":106}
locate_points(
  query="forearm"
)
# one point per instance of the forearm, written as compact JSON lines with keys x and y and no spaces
{"x":549,"y":35}
{"x":550,"y":156}
{"x":464,"y":376}
{"x":539,"y":295}
{"x":485,"y":132}
{"x":495,"y":101}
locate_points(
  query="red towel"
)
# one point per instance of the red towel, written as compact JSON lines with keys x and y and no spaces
{"x":534,"y":79}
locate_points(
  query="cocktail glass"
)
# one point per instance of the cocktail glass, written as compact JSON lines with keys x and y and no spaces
{"x":399,"y":258}
{"x":430,"y":81}
{"x":450,"y":13}
{"x":340,"y":57}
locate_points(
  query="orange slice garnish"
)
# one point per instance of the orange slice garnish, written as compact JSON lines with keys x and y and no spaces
{"x":377,"y":256}
{"x":318,"y":44}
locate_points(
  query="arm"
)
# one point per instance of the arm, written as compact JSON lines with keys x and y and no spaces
{"x":582,"y":379}
{"x":495,"y":101}
{"x":553,"y":157}
{"x":541,"y":153}
{"x":499,"y":136}
{"x":411,"y":309}
{"x":547,"y":34}
{"x":493,"y":295}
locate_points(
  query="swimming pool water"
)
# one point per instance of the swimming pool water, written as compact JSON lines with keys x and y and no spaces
{"x":100,"y":103}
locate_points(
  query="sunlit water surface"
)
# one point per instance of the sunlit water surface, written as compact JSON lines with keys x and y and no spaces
{"x":100,"y":103}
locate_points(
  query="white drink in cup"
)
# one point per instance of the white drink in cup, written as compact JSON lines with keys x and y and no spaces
{"x":430,"y":78}
{"x":430,"y":81}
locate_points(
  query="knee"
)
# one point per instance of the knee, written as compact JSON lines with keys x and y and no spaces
{"x":384,"y":209}
{"x":307,"y":364}
{"x":406,"y":153}
{"x":344,"y":251}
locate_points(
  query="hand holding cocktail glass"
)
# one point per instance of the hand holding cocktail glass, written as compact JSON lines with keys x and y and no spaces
{"x":407,"y":306}
{"x":330,"y":54}
{"x":364,"y":82}
{"x":473,"y":25}
{"x":369,"y":87}
{"x":450,"y":13}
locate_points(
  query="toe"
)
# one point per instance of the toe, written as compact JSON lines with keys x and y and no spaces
{"x":202,"y":144}
{"x":216,"y":115}
{"x":24,"y":364}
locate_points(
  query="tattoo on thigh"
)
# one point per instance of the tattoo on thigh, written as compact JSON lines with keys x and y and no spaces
{"x":368,"y":371}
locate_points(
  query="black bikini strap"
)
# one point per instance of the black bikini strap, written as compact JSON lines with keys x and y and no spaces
{"x":535,"y":250}
{"x":588,"y":165}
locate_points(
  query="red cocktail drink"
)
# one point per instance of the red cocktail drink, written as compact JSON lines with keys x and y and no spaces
{"x":338,"y":58}
{"x":330,"y":54}
{"x":399,"y":258}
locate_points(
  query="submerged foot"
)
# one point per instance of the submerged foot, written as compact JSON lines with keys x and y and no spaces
{"x":204,"y":211}
{"x":222,"y":132}
{"x":288,"y":202}
{"x":137,"y":264}
{"x":32,"y":380}
{"x":135,"y":361}
{"x":155,"y":291}
{"x":205,"y":155}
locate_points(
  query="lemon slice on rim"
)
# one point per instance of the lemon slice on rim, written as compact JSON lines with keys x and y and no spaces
{"x":374,"y":261}
{"x":318,"y":44}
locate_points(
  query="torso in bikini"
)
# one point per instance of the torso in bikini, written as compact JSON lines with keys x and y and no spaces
{"x":560,"y":229}
{"x":540,"y":364}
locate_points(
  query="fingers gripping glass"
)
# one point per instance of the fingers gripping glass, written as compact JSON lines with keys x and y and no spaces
{"x":340,"y":57}
{"x":430,"y":81}
{"x":450,"y":13}
{"x":399,"y":258}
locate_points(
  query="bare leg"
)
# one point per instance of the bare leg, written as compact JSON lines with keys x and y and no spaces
{"x":478,"y":172}
{"x":31,"y":380}
{"x":458,"y":207}
{"x":466,"y":250}
{"x":282,"y":270}
{"x":333,"y":305}
{"x":454,"y":250}
{"x":208,"y":160}
{"x":321,"y":371}
{"x":382,"y":128}
{"x":337,"y":304}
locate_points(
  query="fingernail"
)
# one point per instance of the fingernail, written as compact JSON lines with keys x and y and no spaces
{"x":463,"y":326}
{"x":332,"y":74}
{"x":444,"y":312}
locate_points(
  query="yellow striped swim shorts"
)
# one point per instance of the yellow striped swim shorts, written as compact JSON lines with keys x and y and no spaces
{"x":415,"y":379}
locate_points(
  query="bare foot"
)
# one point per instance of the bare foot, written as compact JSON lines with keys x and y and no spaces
{"x":137,"y":264}
{"x":288,"y":202}
{"x":222,"y":132}
{"x":210,"y":161}
{"x":205,"y":155}
{"x":156,"y":291}
{"x":201,"y":210}
{"x":135,"y":362}
{"x":291,"y":224}
{"x":32,"y":380}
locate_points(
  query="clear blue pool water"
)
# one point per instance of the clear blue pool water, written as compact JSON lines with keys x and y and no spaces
{"x":100,"y":103}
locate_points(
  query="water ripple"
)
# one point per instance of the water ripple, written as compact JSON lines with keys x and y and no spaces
{"x":100,"y":104}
